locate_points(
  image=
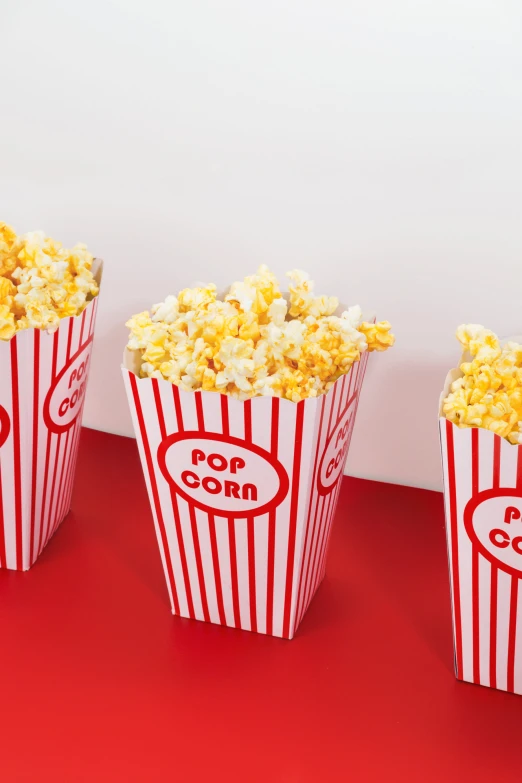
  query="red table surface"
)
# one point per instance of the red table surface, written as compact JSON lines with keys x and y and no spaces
{"x":101,"y":683}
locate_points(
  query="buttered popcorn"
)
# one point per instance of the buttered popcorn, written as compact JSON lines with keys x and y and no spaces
{"x":489,"y":393}
{"x":41,"y":282}
{"x":254,"y":342}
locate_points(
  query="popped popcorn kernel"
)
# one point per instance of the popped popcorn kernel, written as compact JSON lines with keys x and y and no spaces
{"x":302,"y":300}
{"x":7,"y":289}
{"x":254,"y":341}
{"x":41,"y":282}
{"x":7,"y":323}
{"x":377,"y":335}
{"x":489,"y":392}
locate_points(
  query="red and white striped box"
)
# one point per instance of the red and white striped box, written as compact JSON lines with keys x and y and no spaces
{"x":483,"y":501}
{"x":243,"y":495}
{"x":42,"y":391}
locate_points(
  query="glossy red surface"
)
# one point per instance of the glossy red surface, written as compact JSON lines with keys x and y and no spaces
{"x":100,"y":682}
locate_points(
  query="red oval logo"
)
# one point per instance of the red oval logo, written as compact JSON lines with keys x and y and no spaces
{"x":5,"y":425}
{"x":65,"y":397}
{"x":493,"y":521}
{"x":334,"y":455}
{"x":222,"y":475}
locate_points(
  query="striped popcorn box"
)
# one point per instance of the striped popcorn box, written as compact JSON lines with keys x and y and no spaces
{"x":483,"y":501}
{"x":243,"y":495}
{"x":43,"y":378}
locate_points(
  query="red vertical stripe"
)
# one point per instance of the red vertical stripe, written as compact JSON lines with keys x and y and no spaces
{"x":183,"y":556}
{"x":152,"y":477}
{"x":224,"y":414}
{"x":475,"y":561}
{"x":193,"y":521}
{"x":334,"y":392}
{"x":177,"y":406}
{"x":93,"y":309}
{"x":337,"y":488}
{"x":519,"y":467}
{"x":44,"y":492}
{"x":60,"y":493}
{"x":322,"y":522}
{"x":454,"y":546}
{"x":313,"y":494}
{"x":17,"y":455}
{"x":199,"y":562}
{"x":342,"y":398}
{"x":512,"y":643}
{"x":496,"y":461}
{"x":69,"y":339}
{"x":475,"y":614}
{"x":335,"y":497}
{"x":512,"y":635}
{"x":233,"y":571}
{"x":332,"y":495}
{"x":271,"y":527}
{"x":251,"y":541}
{"x":50,"y":518}
{"x":248,"y":420}
{"x":64,"y":479}
{"x":270,"y":573}
{"x":252,"y":573}
{"x":73,"y":436}
{"x":474,"y":460}
{"x":163,"y":532}
{"x":3,"y":558}
{"x":199,"y":411}
{"x":41,"y":537}
{"x":82,"y":327}
{"x":177,"y":519}
{"x":71,"y":465}
{"x":212,"y":526}
{"x":361,"y":369}
{"x":493,"y":628}
{"x":293,"y":518}
{"x":497,"y":443}
{"x":322,"y":541}
{"x":319,"y":499}
{"x":36,"y":416}
{"x":217,"y":570}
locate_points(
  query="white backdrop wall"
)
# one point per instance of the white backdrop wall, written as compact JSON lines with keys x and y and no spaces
{"x":375,"y":144}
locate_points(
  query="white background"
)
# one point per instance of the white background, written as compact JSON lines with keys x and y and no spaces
{"x":376,"y":144}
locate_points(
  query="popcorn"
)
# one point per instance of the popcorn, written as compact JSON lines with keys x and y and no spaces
{"x":256,"y":293}
{"x":489,"y":393}
{"x":377,"y":335}
{"x":7,"y":323}
{"x":41,"y":282}
{"x":253,"y":342}
{"x":302,"y":300}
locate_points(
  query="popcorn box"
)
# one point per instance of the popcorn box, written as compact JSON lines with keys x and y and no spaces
{"x":243,"y":494}
{"x":43,"y":378}
{"x":483,"y":502}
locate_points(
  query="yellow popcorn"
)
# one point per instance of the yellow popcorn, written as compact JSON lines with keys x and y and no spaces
{"x":196,"y":298}
{"x":7,"y":289}
{"x":253,"y":342}
{"x":7,"y":238}
{"x":378,"y":335}
{"x":7,"y":323}
{"x":256,"y":293}
{"x":42,"y":282}
{"x":489,"y":393}
{"x":302,"y":300}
